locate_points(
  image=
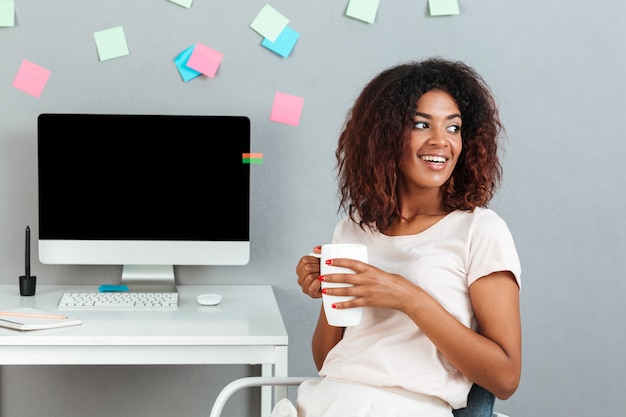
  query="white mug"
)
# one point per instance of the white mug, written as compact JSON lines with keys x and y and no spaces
{"x":345,"y":316}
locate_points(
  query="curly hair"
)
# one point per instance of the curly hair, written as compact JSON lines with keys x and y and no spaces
{"x":377,"y":132}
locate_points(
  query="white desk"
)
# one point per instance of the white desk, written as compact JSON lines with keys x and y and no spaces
{"x":245,"y":328}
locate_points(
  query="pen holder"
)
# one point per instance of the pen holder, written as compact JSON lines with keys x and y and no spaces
{"x":27,"y":285}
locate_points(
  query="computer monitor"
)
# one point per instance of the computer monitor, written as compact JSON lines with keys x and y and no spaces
{"x":144,"y":191}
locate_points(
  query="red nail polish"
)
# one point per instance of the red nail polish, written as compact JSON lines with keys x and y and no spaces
{"x":321,"y":278}
{"x":334,"y":306}
{"x":329,"y":261}
{"x":323,"y":290}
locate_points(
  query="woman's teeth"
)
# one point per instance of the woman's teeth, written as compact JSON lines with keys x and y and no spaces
{"x":431,"y":158}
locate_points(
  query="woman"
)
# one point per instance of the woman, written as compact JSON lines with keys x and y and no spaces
{"x":417,"y":166}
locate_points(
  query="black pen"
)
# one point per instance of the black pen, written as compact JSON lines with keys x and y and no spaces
{"x":27,"y":282}
{"x":27,"y":260}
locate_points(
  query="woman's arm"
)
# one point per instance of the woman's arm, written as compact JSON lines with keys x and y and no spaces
{"x":490,"y":358}
{"x":325,"y":336}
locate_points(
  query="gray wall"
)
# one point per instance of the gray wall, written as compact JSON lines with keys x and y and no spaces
{"x":556,"y":68}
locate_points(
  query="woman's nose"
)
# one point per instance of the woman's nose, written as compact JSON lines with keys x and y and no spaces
{"x":438,"y":137}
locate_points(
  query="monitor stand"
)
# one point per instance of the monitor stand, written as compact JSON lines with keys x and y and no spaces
{"x":149,"y":278}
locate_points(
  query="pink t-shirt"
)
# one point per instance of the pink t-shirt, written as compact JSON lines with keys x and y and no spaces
{"x":387,"y":349}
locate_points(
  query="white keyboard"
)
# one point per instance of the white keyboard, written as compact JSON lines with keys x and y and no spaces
{"x":119,"y":301}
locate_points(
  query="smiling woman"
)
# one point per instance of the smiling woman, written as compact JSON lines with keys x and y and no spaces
{"x":418,"y":163}
{"x":434,"y":148}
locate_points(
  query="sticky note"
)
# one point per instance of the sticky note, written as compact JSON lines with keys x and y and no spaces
{"x":284,"y":43}
{"x":112,"y":288}
{"x":364,"y":10}
{"x":443,"y":7}
{"x":7,"y":13}
{"x":181,"y":63}
{"x":111,"y":43}
{"x":252,"y":158}
{"x":31,"y":78}
{"x":287,"y":109}
{"x":184,"y":3}
{"x":269,"y":23}
{"x":205,"y":60}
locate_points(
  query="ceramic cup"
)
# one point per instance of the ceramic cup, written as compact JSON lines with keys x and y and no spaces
{"x":345,"y":316}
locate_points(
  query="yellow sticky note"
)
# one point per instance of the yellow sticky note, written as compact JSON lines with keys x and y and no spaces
{"x":443,"y":7}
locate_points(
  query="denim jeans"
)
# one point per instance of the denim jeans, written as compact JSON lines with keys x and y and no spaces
{"x":479,"y":403}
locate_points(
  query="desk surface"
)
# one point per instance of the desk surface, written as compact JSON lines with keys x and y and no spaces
{"x":246,"y":327}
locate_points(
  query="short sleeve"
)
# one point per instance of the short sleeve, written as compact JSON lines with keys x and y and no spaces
{"x":492,"y":248}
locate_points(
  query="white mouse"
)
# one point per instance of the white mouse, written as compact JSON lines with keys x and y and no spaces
{"x":209,"y":299}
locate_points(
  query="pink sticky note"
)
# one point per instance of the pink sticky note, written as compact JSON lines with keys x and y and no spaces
{"x":205,"y":60}
{"x":31,"y":78}
{"x":287,"y":109}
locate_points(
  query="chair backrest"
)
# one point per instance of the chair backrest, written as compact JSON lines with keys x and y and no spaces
{"x":479,"y":403}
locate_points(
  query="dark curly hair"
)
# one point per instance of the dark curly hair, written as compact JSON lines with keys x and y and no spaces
{"x":377,"y":132}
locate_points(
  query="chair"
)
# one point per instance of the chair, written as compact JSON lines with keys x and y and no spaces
{"x":479,"y":402}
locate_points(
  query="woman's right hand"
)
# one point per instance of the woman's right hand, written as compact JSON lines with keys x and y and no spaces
{"x":308,"y":271}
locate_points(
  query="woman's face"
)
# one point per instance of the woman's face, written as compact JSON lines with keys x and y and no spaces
{"x":435,"y":143}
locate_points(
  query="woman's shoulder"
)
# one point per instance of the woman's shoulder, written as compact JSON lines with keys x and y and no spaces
{"x":481,"y":221}
{"x":480,"y":215}
{"x":349,"y":228}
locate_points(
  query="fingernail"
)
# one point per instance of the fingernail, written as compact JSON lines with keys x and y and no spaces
{"x":334,"y":306}
{"x":321,"y":278}
{"x":329,"y":261}
{"x":323,"y":290}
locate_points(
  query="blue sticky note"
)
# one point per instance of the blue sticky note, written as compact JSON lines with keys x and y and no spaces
{"x":181,"y":63}
{"x":112,"y":288}
{"x":284,"y":43}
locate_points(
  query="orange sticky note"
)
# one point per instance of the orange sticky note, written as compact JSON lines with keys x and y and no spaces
{"x":31,"y":78}
{"x":252,"y":158}
{"x":287,"y":109}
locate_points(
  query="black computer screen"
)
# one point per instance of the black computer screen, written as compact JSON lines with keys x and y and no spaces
{"x":143,"y":177}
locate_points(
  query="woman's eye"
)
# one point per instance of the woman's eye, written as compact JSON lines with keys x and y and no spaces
{"x":454,"y":129}
{"x":420,"y":125}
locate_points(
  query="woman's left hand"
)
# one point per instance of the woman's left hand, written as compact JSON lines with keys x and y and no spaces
{"x":372,"y":287}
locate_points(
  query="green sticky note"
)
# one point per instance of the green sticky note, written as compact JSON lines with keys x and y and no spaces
{"x":443,"y":7}
{"x":111,"y":43}
{"x":269,"y":23}
{"x":184,"y":3}
{"x":7,"y":13}
{"x":257,"y":161}
{"x":364,"y":10}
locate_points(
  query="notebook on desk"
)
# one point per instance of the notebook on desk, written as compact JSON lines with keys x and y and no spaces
{"x":24,"y":319}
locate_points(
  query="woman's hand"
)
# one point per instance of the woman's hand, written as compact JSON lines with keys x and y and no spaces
{"x":372,"y":287}
{"x":308,"y":271}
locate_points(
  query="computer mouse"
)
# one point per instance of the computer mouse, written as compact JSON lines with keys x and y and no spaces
{"x":209,"y":299}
